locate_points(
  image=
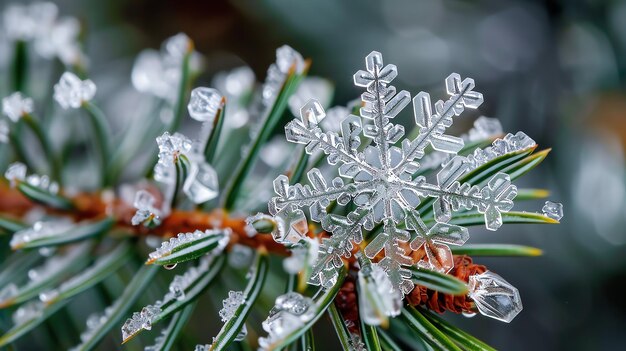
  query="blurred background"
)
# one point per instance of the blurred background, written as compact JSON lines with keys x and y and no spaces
{"x":554,"y":69}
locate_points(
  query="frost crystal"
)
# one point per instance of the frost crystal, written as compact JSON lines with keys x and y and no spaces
{"x":72,"y":92}
{"x":377,"y":295}
{"x":484,"y":128}
{"x":204,"y":103}
{"x":205,"y":347}
{"x":95,"y":321}
{"x":553,"y":210}
{"x":40,"y":230}
{"x":201,"y":184}
{"x":146,"y":212}
{"x":15,"y":173}
{"x":15,"y":106}
{"x":143,"y":320}
{"x":380,"y":181}
{"x":291,"y":311}
{"x":494,"y":297}
{"x":231,"y":303}
{"x":286,"y":58}
{"x":159,"y":72}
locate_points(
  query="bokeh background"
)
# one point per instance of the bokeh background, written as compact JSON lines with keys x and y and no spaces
{"x":554,"y":69}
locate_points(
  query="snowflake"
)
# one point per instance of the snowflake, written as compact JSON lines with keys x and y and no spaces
{"x":378,"y":178}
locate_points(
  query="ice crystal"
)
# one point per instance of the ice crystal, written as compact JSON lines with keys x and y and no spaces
{"x":377,"y":294}
{"x":27,"y":312}
{"x":291,"y":227}
{"x":310,"y":88}
{"x":72,"y":92}
{"x":201,"y":184}
{"x":290,"y":312}
{"x":167,"y":247}
{"x":205,"y":347}
{"x":286,"y":59}
{"x":230,"y":305}
{"x":494,"y":297}
{"x":382,"y":185}
{"x":146,"y":212}
{"x":356,"y":343}
{"x":27,"y":22}
{"x":40,"y":230}
{"x":204,"y":103}
{"x":484,"y":128}
{"x":553,"y":210}
{"x":143,"y":320}
{"x":15,"y":106}
{"x":15,"y":173}
{"x":159,"y":72}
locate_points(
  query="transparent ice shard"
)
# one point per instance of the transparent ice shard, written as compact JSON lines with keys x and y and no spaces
{"x":204,"y":103}
{"x":380,"y":180}
{"x":291,"y":311}
{"x":494,"y":297}
{"x":16,"y":105}
{"x":201,"y":184}
{"x":292,"y":227}
{"x":553,"y":210}
{"x":72,"y":92}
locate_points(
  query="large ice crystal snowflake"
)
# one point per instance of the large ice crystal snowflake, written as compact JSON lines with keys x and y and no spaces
{"x":378,"y":178}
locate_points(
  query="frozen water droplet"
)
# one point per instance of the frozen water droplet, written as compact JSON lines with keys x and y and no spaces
{"x":494,"y":297}
{"x":202,"y":184}
{"x":553,"y":210}
{"x":72,"y":92}
{"x":169,"y":267}
{"x":291,"y":311}
{"x":260,"y":223}
{"x":16,"y":172}
{"x":292,"y":227}
{"x":204,"y":103}
{"x":15,"y":106}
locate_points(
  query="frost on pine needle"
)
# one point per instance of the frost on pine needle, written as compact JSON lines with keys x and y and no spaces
{"x":204,"y":104}
{"x":72,"y":92}
{"x":290,"y":312}
{"x":8,"y":291}
{"x":286,"y":59}
{"x":176,"y":291}
{"x":16,"y":105}
{"x":17,"y":173}
{"x":183,"y":239}
{"x":494,"y":297}
{"x":230,"y":305}
{"x":382,"y":185}
{"x":95,"y":321}
{"x":40,"y":230}
{"x":377,"y":296}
